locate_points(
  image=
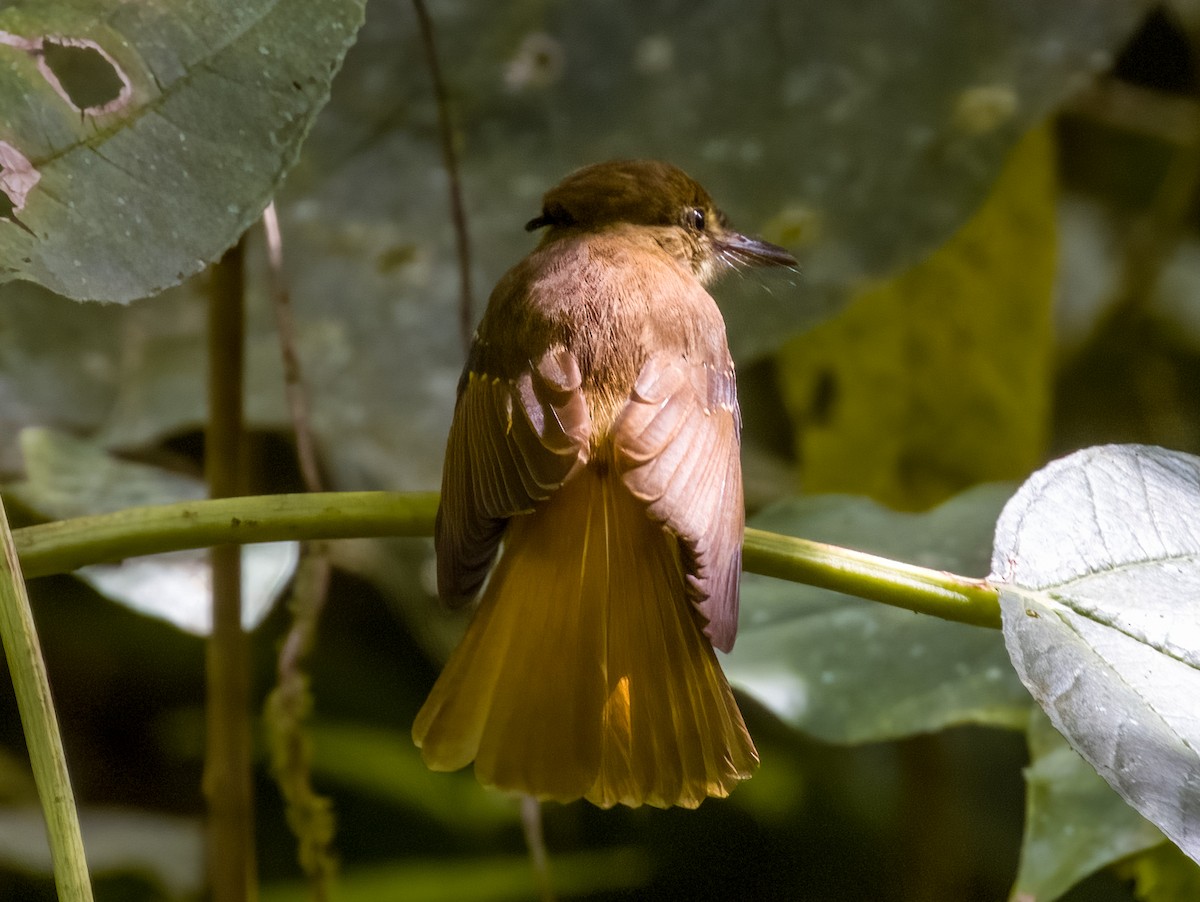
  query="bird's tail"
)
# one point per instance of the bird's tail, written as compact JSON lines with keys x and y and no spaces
{"x":585,"y":671}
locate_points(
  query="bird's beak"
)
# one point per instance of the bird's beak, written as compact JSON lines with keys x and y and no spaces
{"x":753,"y":251}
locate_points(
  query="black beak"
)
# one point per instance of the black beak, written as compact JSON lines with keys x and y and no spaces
{"x":754,"y":252}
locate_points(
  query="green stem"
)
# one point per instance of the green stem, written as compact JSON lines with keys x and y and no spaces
{"x":936,"y":592}
{"x":46,"y":754}
{"x":68,"y":544}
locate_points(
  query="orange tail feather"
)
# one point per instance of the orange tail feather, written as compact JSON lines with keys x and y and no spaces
{"x":585,"y":672}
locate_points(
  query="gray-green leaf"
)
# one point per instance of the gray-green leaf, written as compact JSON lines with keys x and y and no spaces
{"x":1097,"y":558}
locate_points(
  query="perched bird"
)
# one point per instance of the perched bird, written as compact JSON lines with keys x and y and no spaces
{"x":595,"y":449}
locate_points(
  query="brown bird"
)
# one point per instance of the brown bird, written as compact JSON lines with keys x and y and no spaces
{"x":595,"y":448}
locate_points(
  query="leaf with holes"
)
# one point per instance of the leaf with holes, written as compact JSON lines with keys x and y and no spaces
{"x":139,"y":140}
{"x":1097,"y":558}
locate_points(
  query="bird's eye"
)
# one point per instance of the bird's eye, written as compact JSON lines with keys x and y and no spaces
{"x":694,"y":218}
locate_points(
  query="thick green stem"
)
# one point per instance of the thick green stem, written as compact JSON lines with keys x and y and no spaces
{"x":937,"y":592}
{"x":68,"y":544}
{"x":228,"y":782}
{"x":46,"y":754}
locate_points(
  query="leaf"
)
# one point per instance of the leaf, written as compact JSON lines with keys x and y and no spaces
{"x":177,"y":586}
{"x":58,"y":364}
{"x":1097,"y":558}
{"x":493,"y":879}
{"x":70,"y":477}
{"x":1163,"y":874}
{"x":857,"y":135}
{"x":140,"y":140}
{"x":939,"y":377}
{"x":807,"y":128}
{"x":852,"y":671}
{"x":385,"y":765}
{"x":168,"y":849}
{"x":1074,"y":823}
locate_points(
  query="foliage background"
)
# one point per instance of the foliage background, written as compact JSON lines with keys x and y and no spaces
{"x":994,"y":207}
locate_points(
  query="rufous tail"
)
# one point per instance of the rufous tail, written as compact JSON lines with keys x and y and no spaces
{"x":584,"y":672}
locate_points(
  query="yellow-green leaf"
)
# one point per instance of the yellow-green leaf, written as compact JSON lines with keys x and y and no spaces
{"x":938,"y":378}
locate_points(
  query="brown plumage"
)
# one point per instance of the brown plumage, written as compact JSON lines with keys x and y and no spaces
{"x":595,"y":446}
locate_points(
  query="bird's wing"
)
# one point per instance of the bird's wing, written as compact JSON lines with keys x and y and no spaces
{"x":512,"y":443}
{"x":677,"y":444}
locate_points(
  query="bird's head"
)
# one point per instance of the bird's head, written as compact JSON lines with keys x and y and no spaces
{"x":663,"y":198}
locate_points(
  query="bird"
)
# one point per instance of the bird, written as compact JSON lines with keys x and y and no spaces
{"x":592,"y":501}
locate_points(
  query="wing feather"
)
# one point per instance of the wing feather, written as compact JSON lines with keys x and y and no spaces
{"x":513,"y":442}
{"x":678,"y":448}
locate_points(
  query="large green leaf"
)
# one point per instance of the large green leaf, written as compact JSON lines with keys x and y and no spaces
{"x":880,"y":131}
{"x":847,"y":670}
{"x":939,"y":377}
{"x":1098,"y":562}
{"x":861,"y":135}
{"x":876,"y":129}
{"x":1074,"y":823}
{"x":492,"y":879}
{"x":139,"y":140}
{"x":70,"y":477}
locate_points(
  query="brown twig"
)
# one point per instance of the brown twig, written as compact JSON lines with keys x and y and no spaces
{"x":466,"y":316}
{"x":289,"y":705}
{"x":297,"y":396}
{"x":227,"y":778}
{"x":309,"y":814}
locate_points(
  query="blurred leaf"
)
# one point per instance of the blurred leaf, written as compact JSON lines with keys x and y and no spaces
{"x":1097,"y":558}
{"x":481,"y":879}
{"x":781,"y":786}
{"x":70,"y":477}
{"x":385,"y":765}
{"x":939,"y":378}
{"x":1074,"y":823}
{"x":163,"y":366}
{"x":58,"y":364}
{"x":1088,"y":273}
{"x":865,"y":136}
{"x":1177,"y":288}
{"x":1163,"y":874}
{"x":861,"y":136}
{"x":170,"y":850}
{"x":177,"y":586}
{"x":151,"y":135}
{"x":852,"y":671}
